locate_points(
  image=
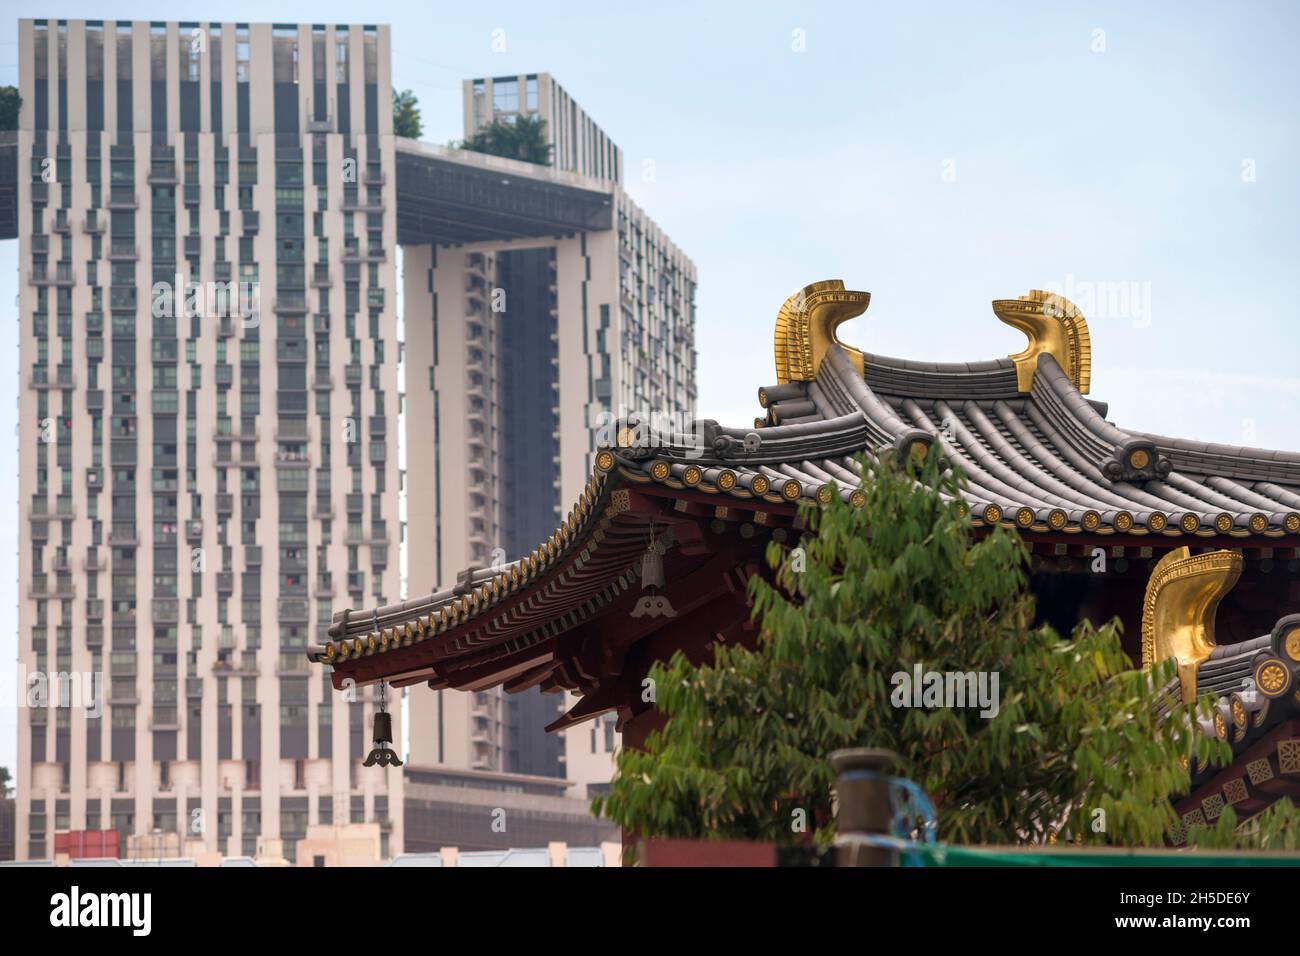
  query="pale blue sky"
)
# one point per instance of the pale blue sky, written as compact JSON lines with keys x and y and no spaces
{"x":774,"y":168}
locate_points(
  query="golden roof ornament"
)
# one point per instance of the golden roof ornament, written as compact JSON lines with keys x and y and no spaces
{"x":1053,"y":324}
{"x":1183,"y":594}
{"x":805,"y":328}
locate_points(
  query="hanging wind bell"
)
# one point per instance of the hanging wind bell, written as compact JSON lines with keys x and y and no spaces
{"x":654,"y":604}
{"x":652,"y":564}
{"x":382,"y":754}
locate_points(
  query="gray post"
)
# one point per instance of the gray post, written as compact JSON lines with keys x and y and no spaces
{"x":863,"y":805}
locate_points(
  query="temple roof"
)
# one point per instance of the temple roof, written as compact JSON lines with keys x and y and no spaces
{"x":1038,"y":456}
{"x":1036,"y":453}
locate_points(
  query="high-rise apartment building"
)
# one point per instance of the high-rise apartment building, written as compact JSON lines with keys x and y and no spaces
{"x":577,"y":144}
{"x":526,"y":346}
{"x":208,"y":426}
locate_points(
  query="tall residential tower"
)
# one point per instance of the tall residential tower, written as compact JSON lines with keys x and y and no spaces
{"x":526,"y":343}
{"x":203,"y":484}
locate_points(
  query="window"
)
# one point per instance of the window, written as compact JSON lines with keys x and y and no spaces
{"x":241,"y":56}
{"x":284,"y":49}
{"x":190,"y":41}
{"x":505,"y":96}
{"x":341,"y":56}
{"x":158,"y":52}
{"x":123,"y":52}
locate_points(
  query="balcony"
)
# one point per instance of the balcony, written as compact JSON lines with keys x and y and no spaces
{"x":166,"y":610}
{"x":64,"y":380}
{"x":292,"y":429}
{"x":354,"y":203}
{"x":292,"y":460}
{"x":163,"y":174}
{"x":225,"y":432}
{"x":293,"y":610}
{"x":353,"y":254}
{"x":290,"y":303}
{"x":291,"y":350}
{"x":122,"y":198}
{"x":63,"y":275}
{"x":92,"y":223}
{"x":122,"y":298}
{"x":57,"y":590}
{"x":163,"y":718}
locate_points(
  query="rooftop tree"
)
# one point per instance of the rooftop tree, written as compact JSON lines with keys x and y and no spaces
{"x":406,"y":115}
{"x":521,"y":137}
{"x":10,"y":104}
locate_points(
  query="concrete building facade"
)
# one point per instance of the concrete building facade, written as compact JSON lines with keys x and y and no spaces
{"x":203,"y":483}
{"x":578,"y":144}
{"x":527,"y":346}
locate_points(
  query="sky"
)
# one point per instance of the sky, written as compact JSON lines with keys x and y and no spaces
{"x":1142,"y":160}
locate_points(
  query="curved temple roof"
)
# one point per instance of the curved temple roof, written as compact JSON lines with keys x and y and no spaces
{"x":1038,"y":456}
{"x":1035,"y":452}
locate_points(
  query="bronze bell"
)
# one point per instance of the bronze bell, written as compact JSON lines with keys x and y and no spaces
{"x":652,"y":569}
{"x":382,"y":754}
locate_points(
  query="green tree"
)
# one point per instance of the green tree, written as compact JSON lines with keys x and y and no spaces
{"x":10,"y":104}
{"x":1277,"y":828}
{"x":901,"y":582}
{"x":406,"y":115}
{"x":4,"y":783}
{"x":523,"y":137}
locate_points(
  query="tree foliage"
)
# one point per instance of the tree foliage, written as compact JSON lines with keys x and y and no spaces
{"x":10,"y":104}
{"x":1076,"y":750}
{"x":522,"y":137}
{"x":406,"y":115}
{"x":1277,"y":828}
{"x":4,"y":782}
